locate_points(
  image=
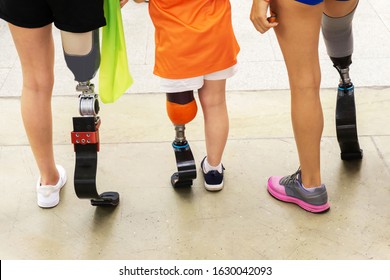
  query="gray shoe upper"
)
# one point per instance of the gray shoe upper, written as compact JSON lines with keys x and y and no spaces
{"x":294,"y":188}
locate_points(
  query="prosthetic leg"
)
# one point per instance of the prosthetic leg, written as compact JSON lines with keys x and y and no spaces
{"x":82,"y":56}
{"x":339,"y":43}
{"x":181,"y":109}
{"x":346,"y":126}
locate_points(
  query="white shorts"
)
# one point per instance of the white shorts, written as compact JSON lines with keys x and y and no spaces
{"x":180,"y":85}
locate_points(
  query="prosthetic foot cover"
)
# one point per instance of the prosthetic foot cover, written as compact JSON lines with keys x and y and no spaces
{"x":85,"y":138}
{"x":114,"y":75}
{"x":181,"y":109}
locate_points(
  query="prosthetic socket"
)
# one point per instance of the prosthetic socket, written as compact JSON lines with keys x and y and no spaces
{"x":338,"y":37}
{"x":181,"y":109}
{"x":82,"y":56}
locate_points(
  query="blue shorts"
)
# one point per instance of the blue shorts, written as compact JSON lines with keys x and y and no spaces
{"x":314,"y":2}
{"x":310,"y":2}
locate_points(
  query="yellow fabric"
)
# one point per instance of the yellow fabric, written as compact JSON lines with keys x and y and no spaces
{"x":193,"y":37}
{"x":114,"y":75}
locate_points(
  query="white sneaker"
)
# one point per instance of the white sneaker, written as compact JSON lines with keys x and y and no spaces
{"x":49,"y":196}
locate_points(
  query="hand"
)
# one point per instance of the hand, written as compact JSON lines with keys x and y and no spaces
{"x":139,"y":1}
{"x":123,"y":2}
{"x":259,"y":16}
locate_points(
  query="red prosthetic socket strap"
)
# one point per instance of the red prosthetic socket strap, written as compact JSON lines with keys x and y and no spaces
{"x":180,"y":112}
{"x":85,"y":138}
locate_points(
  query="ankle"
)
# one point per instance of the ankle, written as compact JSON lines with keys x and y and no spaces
{"x":311,"y":181}
{"x":50,"y":179}
{"x":208,"y":167}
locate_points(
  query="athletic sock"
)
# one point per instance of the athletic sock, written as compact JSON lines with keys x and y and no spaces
{"x":207,"y":167}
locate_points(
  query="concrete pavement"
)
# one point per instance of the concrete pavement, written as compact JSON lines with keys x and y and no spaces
{"x":154,"y":221}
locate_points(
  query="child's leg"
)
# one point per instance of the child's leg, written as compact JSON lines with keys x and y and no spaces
{"x":298,"y":36}
{"x":213,"y":101}
{"x":36,"y":52}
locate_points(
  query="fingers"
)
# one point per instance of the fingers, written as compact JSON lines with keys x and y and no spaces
{"x":259,"y":16}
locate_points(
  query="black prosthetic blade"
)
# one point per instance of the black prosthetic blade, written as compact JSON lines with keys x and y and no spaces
{"x":185,"y":165}
{"x":107,"y":199}
{"x":86,"y":167}
{"x":346,"y":127}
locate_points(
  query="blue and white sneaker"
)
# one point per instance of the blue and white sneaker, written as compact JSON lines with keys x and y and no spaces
{"x":213,"y":180}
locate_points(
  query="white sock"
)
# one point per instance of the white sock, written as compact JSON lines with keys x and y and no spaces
{"x":207,"y":167}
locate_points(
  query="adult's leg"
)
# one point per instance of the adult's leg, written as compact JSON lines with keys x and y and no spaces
{"x":36,"y":52}
{"x":298,"y":36}
{"x":213,"y":101}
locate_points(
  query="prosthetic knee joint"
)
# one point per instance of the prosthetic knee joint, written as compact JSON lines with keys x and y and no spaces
{"x":339,"y":43}
{"x":181,"y":109}
{"x":82,"y":56}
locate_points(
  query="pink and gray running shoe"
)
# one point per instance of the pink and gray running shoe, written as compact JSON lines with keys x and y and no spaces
{"x":290,"y":189}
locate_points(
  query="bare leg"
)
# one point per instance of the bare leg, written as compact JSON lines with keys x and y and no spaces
{"x":298,"y":36}
{"x":36,"y":52}
{"x":213,"y":100}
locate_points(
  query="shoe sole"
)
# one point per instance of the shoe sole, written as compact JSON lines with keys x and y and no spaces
{"x":48,"y":206}
{"x":213,"y":188}
{"x":306,"y":206}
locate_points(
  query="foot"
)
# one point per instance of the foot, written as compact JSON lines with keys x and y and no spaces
{"x":213,"y":180}
{"x":291,"y":189}
{"x":49,"y":195}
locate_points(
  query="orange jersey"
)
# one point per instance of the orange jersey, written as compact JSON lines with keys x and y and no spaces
{"x":193,"y":37}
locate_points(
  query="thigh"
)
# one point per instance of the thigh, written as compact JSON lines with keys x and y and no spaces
{"x":212,"y":92}
{"x":298,"y":36}
{"x":36,"y":53}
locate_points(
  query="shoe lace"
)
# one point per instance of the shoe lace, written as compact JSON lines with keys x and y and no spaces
{"x":293,"y":177}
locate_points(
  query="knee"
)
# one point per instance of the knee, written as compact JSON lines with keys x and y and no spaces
{"x":307,"y":79}
{"x":181,"y":107}
{"x":39,"y":83}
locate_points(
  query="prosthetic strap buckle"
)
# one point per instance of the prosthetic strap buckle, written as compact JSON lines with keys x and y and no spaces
{"x":89,"y":137}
